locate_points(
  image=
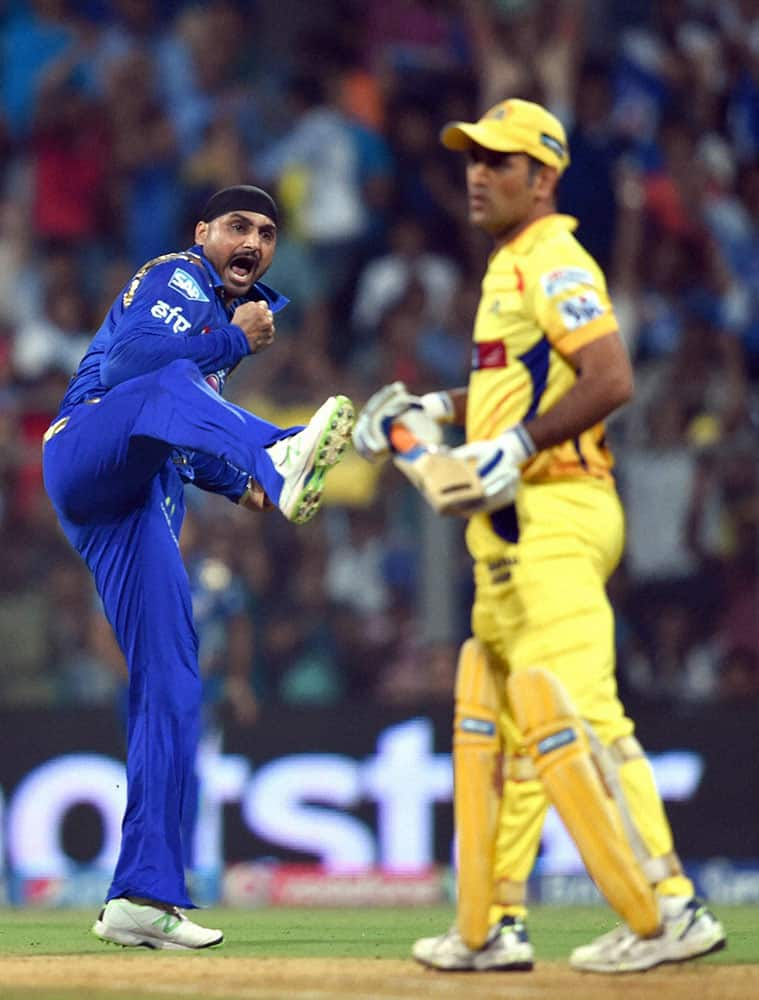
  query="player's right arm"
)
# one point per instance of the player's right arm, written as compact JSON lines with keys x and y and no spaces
{"x":604,"y":382}
{"x":161,"y":325}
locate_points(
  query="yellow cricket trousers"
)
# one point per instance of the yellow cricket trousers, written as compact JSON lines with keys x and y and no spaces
{"x":540,"y":601}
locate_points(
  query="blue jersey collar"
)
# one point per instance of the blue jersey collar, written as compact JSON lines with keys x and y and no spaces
{"x":259,"y":290}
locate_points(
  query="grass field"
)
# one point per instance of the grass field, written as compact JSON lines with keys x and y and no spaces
{"x":276,"y":954}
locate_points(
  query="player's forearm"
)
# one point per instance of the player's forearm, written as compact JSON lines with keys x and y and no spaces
{"x":144,"y":352}
{"x":587,"y":403}
{"x":604,"y":383}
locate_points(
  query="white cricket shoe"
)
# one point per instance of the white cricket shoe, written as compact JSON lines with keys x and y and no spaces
{"x":689,"y":930}
{"x":507,"y":949}
{"x":303,"y":459}
{"x":137,"y":925}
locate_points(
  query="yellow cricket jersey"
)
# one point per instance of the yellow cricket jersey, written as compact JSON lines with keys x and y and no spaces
{"x":543,"y":297}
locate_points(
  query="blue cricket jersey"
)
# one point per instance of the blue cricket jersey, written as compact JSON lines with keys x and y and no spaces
{"x":156,"y":319}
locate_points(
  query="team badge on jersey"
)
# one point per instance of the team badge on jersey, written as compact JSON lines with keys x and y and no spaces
{"x":563,"y":278}
{"x":187,"y":286}
{"x":578,"y":310}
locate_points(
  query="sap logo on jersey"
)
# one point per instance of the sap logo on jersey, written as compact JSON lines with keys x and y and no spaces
{"x":186,"y":285}
{"x":580,"y":309}
{"x":171,"y":315}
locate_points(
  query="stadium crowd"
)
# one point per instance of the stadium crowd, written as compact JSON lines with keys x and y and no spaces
{"x":117,"y":121}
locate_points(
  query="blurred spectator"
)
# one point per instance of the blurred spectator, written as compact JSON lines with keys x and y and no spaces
{"x":426,"y":673}
{"x":200,"y":83}
{"x":738,"y":21}
{"x":25,"y":667}
{"x":129,"y":28}
{"x":734,"y":222}
{"x":57,"y":338}
{"x":219,"y":161}
{"x":528,"y":49}
{"x":355,"y":577}
{"x":444,"y":346}
{"x":70,"y":149}
{"x":19,"y":280}
{"x":673,"y":664}
{"x":415,"y":45}
{"x":336,"y":47}
{"x":78,"y":674}
{"x":738,"y":572}
{"x":145,"y":168}
{"x":332,"y":176}
{"x":299,"y":648}
{"x":37,"y":34}
{"x":649,"y":69}
{"x":10,"y":402}
{"x":701,"y":388}
{"x":302,"y":660}
{"x":220,"y":607}
{"x":659,"y":479}
{"x":588,"y":188}
{"x":395,"y":355}
{"x":384,"y":280}
{"x":739,"y":676}
{"x":423,"y":175}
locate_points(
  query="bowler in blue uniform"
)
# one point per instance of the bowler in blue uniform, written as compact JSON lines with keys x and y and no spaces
{"x":142,"y":416}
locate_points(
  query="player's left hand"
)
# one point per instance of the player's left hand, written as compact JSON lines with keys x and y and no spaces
{"x":371,"y":434}
{"x":498,"y":463}
{"x":255,"y":498}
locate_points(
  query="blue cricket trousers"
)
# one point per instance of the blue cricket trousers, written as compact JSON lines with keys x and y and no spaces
{"x":120,"y":503}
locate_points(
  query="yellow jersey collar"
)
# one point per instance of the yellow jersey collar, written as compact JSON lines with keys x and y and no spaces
{"x":538,"y":230}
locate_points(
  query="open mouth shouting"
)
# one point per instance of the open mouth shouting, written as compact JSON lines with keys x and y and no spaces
{"x":242,"y":268}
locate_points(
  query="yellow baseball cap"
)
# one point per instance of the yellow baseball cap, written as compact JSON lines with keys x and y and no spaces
{"x":513,"y":126}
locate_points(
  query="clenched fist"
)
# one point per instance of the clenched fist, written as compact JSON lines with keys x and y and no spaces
{"x":256,"y":321}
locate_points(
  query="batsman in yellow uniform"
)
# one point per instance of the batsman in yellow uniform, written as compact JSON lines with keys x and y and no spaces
{"x":536,"y":697}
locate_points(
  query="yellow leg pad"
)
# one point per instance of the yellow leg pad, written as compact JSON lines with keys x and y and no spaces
{"x":476,"y":788}
{"x":629,"y":779}
{"x":556,"y":739}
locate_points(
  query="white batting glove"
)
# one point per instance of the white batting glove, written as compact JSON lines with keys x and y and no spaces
{"x":498,"y":465}
{"x":438,"y":406}
{"x":391,"y":403}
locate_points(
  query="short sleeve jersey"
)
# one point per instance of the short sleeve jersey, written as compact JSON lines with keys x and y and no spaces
{"x":543,"y":297}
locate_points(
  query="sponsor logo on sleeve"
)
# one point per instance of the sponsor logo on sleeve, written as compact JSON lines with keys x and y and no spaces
{"x":580,"y":309}
{"x":187,"y":286}
{"x":563,"y":278}
{"x":171,"y":315}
